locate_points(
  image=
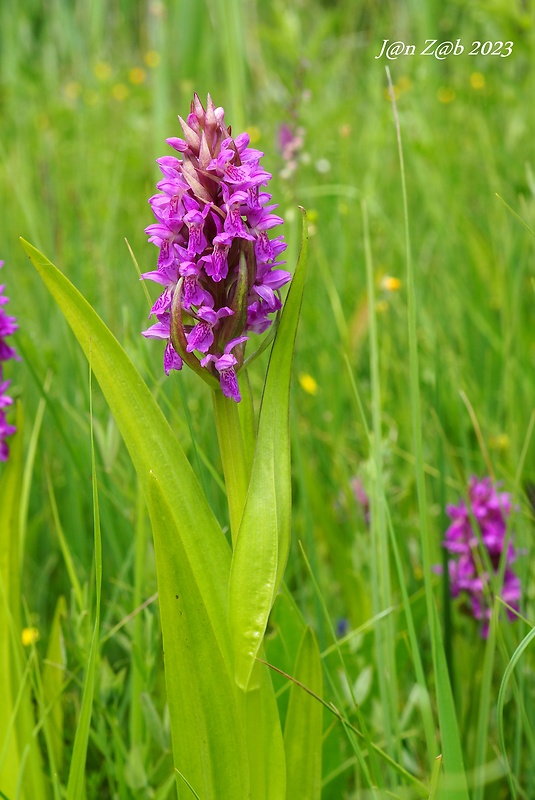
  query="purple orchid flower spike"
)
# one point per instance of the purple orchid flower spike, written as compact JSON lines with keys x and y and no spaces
{"x":8,"y":326}
{"x":217,"y":265}
{"x":489,"y":510}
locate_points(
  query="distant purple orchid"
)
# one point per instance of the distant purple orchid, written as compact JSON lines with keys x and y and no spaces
{"x":361,"y":497}
{"x":216,"y":263}
{"x":8,"y":326}
{"x":290,"y":141}
{"x":490,"y":509}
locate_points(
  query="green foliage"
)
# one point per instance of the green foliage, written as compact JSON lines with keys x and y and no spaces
{"x":303,"y":728}
{"x":207,"y":733}
{"x":261,"y":550}
{"x":20,"y":758}
{"x":410,"y":677}
{"x":76,"y":782}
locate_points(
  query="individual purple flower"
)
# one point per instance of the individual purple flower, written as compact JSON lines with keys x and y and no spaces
{"x":489,"y":509}
{"x":217,"y":264}
{"x":225,"y":364}
{"x":8,"y":326}
{"x":201,"y":337}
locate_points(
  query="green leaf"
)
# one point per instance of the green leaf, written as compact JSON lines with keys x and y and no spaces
{"x":264,"y":738}
{"x":304,"y":724}
{"x":152,"y":445}
{"x":263,"y":542}
{"x":208,"y":740}
{"x":192,"y":558}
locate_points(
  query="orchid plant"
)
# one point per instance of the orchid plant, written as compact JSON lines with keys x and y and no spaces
{"x":221,"y":284}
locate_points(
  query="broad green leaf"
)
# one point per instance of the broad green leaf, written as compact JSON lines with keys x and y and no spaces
{"x":152,"y":445}
{"x":206,"y":728}
{"x":192,"y":557}
{"x":263,"y":542}
{"x":304,"y":724}
{"x":17,"y":724}
{"x":264,"y":738}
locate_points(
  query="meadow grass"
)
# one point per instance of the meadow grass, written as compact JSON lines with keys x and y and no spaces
{"x":411,"y":388}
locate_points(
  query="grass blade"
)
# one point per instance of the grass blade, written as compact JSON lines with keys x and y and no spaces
{"x":515,"y":658}
{"x":451,"y":743}
{"x":53,"y":683}
{"x":76,"y":783}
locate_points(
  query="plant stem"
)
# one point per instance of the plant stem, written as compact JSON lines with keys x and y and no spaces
{"x":233,"y":457}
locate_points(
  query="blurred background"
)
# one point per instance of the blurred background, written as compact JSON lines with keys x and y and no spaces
{"x":89,"y":91}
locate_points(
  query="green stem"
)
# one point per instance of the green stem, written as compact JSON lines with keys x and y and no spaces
{"x":233,"y":456}
{"x":247,"y":419}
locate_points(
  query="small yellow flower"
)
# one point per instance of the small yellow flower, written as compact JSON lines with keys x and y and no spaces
{"x":390,"y":284}
{"x":72,"y":90}
{"x":255,"y":134}
{"x":499,"y":442}
{"x":477,"y":80}
{"x":308,"y":383}
{"x":152,"y":59}
{"x":102,"y":70}
{"x":381,"y":306}
{"x":345,"y":130}
{"x":137,"y":75}
{"x":404,"y":84}
{"x":120,"y":92}
{"x":446,"y":94}
{"x":29,"y":636}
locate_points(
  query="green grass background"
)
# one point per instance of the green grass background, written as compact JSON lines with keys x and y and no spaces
{"x":88,"y":93}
